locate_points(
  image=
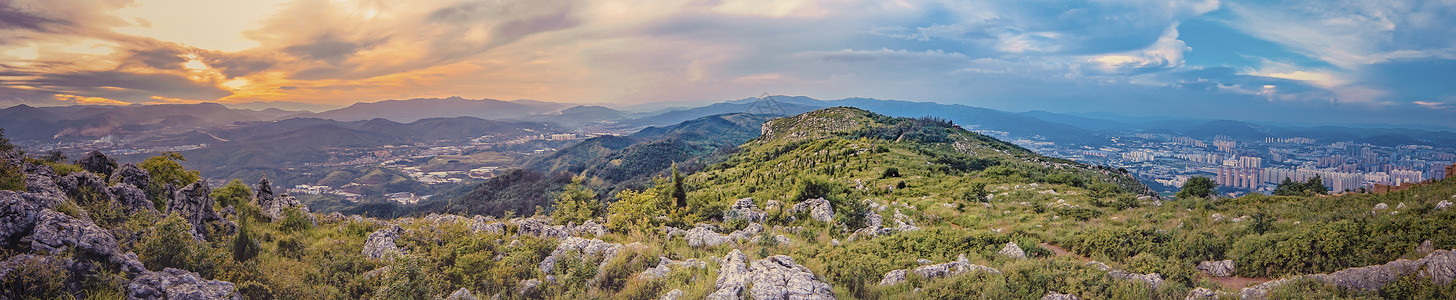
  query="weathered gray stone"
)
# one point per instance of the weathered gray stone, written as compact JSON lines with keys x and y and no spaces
{"x":194,"y":203}
{"x":672,"y":295}
{"x":598,"y":251}
{"x":819,"y":209}
{"x":1443,"y":205}
{"x":177,"y":284}
{"x":1222,"y":268}
{"x":1439,"y":267}
{"x":97,"y":162}
{"x":743,"y":209}
{"x":1012,"y":250}
{"x":1202,"y":294}
{"x":1381,"y":206}
{"x":1059,"y":296}
{"x":529,"y":288}
{"x":590,"y":228}
{"x":893,"y":277}
{"x":41,"y":179}
{"x":381,"y":245}
{"x":461,"y":294}
{"x":130,"y":174}
{"x":481,"y":224}
{"x":539,"y":227}
{"x":55,"y":233}
{"x":84,"y":187}
{"x":263,"y":194}
{"x":957,"y":267}
{"x":733,"y":275}
{"x":17,"y":215}
{"x":778,"y":277}
{"x":665,"y":265}
{"x":704,"y":235}
{"x":132,"y":198}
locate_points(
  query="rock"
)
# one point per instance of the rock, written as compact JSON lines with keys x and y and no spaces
{"x":1381,"y":206}
{"x":179,"y":284}
{"x":130,"y":174}
{"x":923,"y":261}
{"x":893,"y":277}
{"x":1012,"y":250}
{"x":819,"y":209}
{"x":1443,"y":205}
{"x":669,"y":232}
{"x":772,"y":205}
{"x":704,"y":235}
{"x":733,"y":274}
{"x":1154,"y":280}
{"x":593,"y":249}
{"x":590,"y":228}
{"x":98,"y":163}
{"x":672,"y":295}
{"x":539,"y":227}
{"x":530,"y":288}
{"x":55,"y":233}
{"x":41,"y":179}
{"x":131,"y":198}
{"x":263,"y":195}
{"x":194,"y":203}
{"x":957,"y":267}
{"x":1202,"y":294}
{"x":1059,"y":296}
{"x":481,"y":224}
{"x":778,"y":277}
{"x":18,"y":215}
{"x":1400,"y":205}
{"x":743,"y":209}
{"x":1222,"y":268}
{"x":278,"y":207}
{"x":782,"y":240}
{"x":461,"y":294}
{"x":1439,"y":267}
{"x":665,"y":265}
{"x":380,"y":244}
{"x":84,"y":187}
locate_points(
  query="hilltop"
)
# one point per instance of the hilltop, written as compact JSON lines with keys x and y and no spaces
{"x":832,"y":203}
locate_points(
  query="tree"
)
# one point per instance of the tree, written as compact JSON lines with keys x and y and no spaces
{"x":244,"y":246}
{"x":166,"y":170}
{"x":1198,"y":186}
{"x":679,"y":194}
{"x":233,"y":194}
{"x":1289,"y":188}
{"x":5,"y":145}
{"x":1316,"y":186}
{"x":576,"y":204}
{"x":634,"y":210}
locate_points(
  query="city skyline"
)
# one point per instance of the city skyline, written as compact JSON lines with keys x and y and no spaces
{"x":1344,"y":62}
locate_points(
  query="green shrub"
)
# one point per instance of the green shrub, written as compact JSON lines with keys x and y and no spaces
{"x":35,"y":278}
{"x":576,"y":204}
{"x":170,"y":244}
{"x":252,"y":290}
{"x":244,"y":247}
{"x":233,"y":194}
{"x":294,"y":221}
{"x":890,"y":172}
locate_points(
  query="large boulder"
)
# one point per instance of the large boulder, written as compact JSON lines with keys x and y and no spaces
{"x":84,"y":187}
{"x":704,"y":235}
{"x":194,"y":203}
{"x":540,"y":227}
{"x":665,"y":265}
{"x":263,"y":194}
{"x":279,"y":205}
{"x":486,"y":224}
{"x":598,"y":251}
{"x":1012,"y":250}
{"x":131,"y":198}
{"x":1439,"y":267}
{"x":1222,"y":268}
{"x":98,"y":163}
{"x":743,"y":209}
{"x":131,"y":174}
{"x":55,"y":233}
{"x":19,"y":212}
{"x":41,"y":179}
{"x":819,"y":209}
{"x":380,"y":244}
{"x":177,"y":284}
{"x":774,"y":277}
{"x":461,"y":294}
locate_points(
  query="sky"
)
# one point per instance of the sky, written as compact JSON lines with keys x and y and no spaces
{"x":1298,"y":62}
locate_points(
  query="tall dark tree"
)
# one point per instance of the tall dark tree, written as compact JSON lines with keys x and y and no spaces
{"x":1197,"y":186}
{"x":679,"y":194}
{"x":1316,"y":186}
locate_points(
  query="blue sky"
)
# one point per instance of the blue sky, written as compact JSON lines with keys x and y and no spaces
{"x":1302,"y":62}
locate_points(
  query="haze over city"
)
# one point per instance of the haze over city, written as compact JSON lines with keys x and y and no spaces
{"x":1295,"y":62}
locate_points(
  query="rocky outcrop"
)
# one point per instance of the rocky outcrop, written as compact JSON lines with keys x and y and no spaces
{"x":1381,"y":206}
{"x":461,"y":294}
{"x":177,"y":285}
{"x":98,"y":163}
{"x":1012,"y":250}
{"x":380,"y":245}
{"x":41,"y":179}
{"x":1439,"y":267}
{"x":278,"y":208}
{"x":1222,"y":268}
{"x":539,"y":227}
{"x":875,"y":224}
{"x":131,"y":174}
{"x":1443,"y":205}
{"x":19,"y":212}
{"x":743,"y":209}
{"x":775,"y":277}
{"x":1202,"y":294}
{"x":1059,"y":296}
{"x":598,"y":251}
{"x":705,"y":235}
{"x":1154,"y":280}
{"x":672,"y":295}
{"x":665,"y":265}
{"x":819,"y":209}
{"x":84,"y":187}
{"x":591,"y":228}
{"x":263,"y":193}
{"x":957,"y":267}
{"x":55,"y":233}
{"x":131,"y":198}
{"x":194,"y":203}
{"x":530,"y":288}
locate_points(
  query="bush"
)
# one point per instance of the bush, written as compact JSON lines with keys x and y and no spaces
{"x":294,"y":221}
{"x":576,"y":204}
{"x":813,"y":187}
{"x":233,"y":194}
{"x":34,"y":278}
{"x":890,"y":172}
{"x":244,"y":247}
{"x":635,"y":210}
{"x":170,"y":244}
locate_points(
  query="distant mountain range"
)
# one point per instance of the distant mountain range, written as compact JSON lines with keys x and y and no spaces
{"x":24,"y":122}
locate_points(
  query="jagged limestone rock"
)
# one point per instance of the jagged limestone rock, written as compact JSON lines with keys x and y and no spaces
{"x":461,"y":294}
{"x":591,"y":228}
{"x":530,"y":288}
{"x":84,"y":186}
{"x":733,"y":274}
{"x":704,"y":235}
{"x":380,"y":244}
{"x":604,"y":251}
{"x":177,"y":284}
{"x":1381,"y":206}
{"x":743,"y":209}
{"x":41,"y":179}
{"x":98,"y":163}
{"x":18,"y":214}
{"x":194,"y":203}
{"x":263,"y":194}
{"x":131,"y":198}
{"x":1154,"y":280}
{"x":672,"y":295}
{"x":1012,"y":250}
{"x":665,"y":265}
{"x":539,"y":227}
{"x":1202,"y":294}
{"x":819,"y":209}
{"x":778,"y":277}
{"x":1443,"y":205}
{"x":130,"y":174}
{"x":1222,"y":268}
{"x":1059,"y":296}
{"x":957,"y":267}
{"x":480,"y":224}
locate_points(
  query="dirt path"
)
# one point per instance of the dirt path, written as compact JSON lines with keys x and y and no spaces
{"x":1230,"y":283}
